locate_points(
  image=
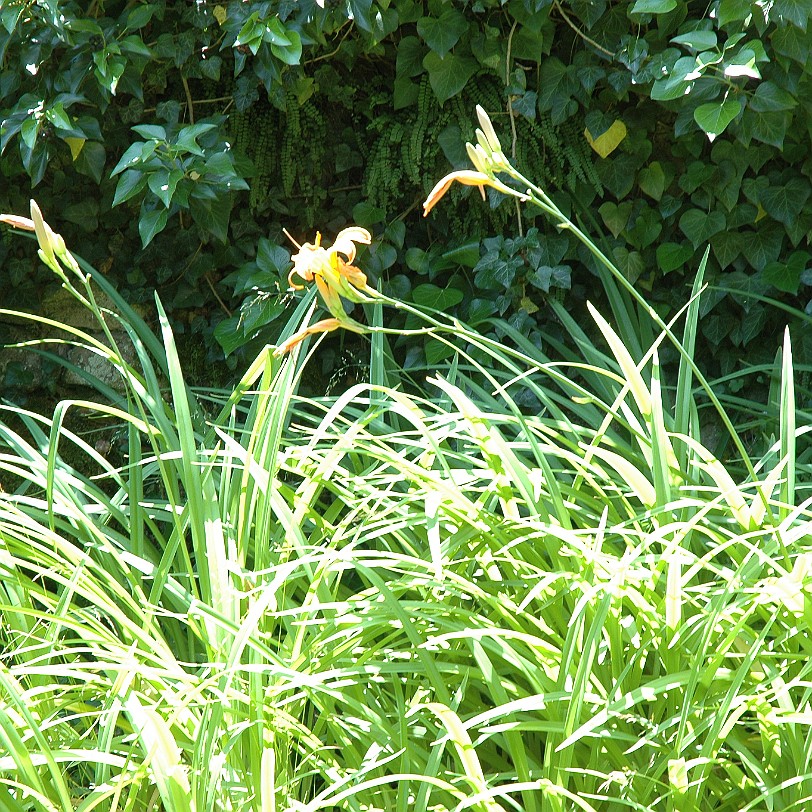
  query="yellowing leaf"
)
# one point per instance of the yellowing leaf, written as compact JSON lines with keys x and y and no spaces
{"x":220,"y":14}
{"x":760,"y":214}
{"x":75,"y":145}
{"x":606,"y":143}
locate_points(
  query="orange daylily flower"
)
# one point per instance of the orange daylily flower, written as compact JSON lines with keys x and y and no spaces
{"x":323,"y":326}
{"x":15,"y":221}
{"x":336,"y":279}
{"x":467,"y":177}
{"x":313,"y":261}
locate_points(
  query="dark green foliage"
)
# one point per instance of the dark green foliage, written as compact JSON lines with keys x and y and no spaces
{"x":335,"y":118}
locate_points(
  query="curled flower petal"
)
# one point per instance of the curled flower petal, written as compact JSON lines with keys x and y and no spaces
{"x":323,"y":326}
{"x":15,"y":221}
{"x":346,"y":239}
{"x":468,"y":178}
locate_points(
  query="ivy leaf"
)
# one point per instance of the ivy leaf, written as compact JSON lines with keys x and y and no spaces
{"x":631,"y":263}
{"x":617,"y":173}
{"x":769,"y":97}
{"x":676,"y":84}
{"x":699,"y":226}
{"x":716,"y":328}
{"x":151,"y":223}
{"x":745,"y":288}
{"x":493,"y":272}
{"x":616,"y":217}
{"x":672,"y":255}
{"x":726,"y":245}
{"x":699,"y":40}
{"x":734,"y":11}
{"x":442,"y":33}
{"x":786,"y":276}
{"x":790,"y":42}
{"x":652,"y":180}
{"x":449,"y":75}
{"x":409,"y":60}
{"x":525,"y":105}
{"x":361,"y":11}
{"x":653,"y":6}
{"x":784,"y":203}
{"x":547,"y":276}
{"x":770,"y":127}
{"x":212,"y":214}
{"x":91,"y":160}
{"x":713,"y":118}
{"x":793,"y":11}
{"x":557,"y":84}
{"x":437,"y":298}
{"x":646,"y":229}
{"x":750,"y":326}
{"x":763,"y":246}
{"x":129,"y":185}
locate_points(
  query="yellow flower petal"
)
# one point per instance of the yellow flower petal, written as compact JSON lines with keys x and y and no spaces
{"x":323,"y":326}
{"x":15,"y":221}
{"x":465,"y":176}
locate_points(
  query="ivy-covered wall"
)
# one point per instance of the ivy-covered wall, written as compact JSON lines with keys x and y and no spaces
{"x":173,"y":141}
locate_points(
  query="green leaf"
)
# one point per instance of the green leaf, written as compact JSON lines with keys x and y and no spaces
{"x":466,"y":255}
{"x":404,"y":94}
{"x":646,"y":229}
{"x":151,"y":132}
{"x":151,"y":223}
{"x":129,"y":159}
{"x":785,"y":276}
{"x":187,"y":137}
{"x":699,"y":226}
{"x":494,"y":272}
{"x":140,"y":16}
{"x":763,"y":246}
{"x":790,"y":42}
{"x":437,"y":298}
{"x":733,"y":11}
{"x":129,"y":185}
{"x":409,"y":59}
{"x":698,"y":40}
{"x":442,"y":33}
{"x":769,"y":128}
{"x":769,"y":97}
{"x":213,"y":214}
{"x":713,"y":117}
{"x":792,"y":11}
{"x":653,"y":6}
{"x":617,"y":173}
{"x":676,"y":84}
{"x":557,"y":85}
{"x":29,"y":132}
{"x":91,"y":160}
{"x":449,"y":75}
{"x":362,"y":13}
{"x":631,"y":263}
{"x":672,"y":255}
{"x":651,"y":180}
{"x":615,"y":216}
{"x":547,"y":276}
{"x":726,"y":245}
{"x":784,"y":203}
{"x":163,"y":183}
{"x":290,"y":54}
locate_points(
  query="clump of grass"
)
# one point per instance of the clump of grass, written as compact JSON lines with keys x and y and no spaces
{"x":390,"y":601}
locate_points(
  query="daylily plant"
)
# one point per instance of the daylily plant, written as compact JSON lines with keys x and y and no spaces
{"x":51,"y":244}
{"x":488,"y":159}
{"x":335,"y":278}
